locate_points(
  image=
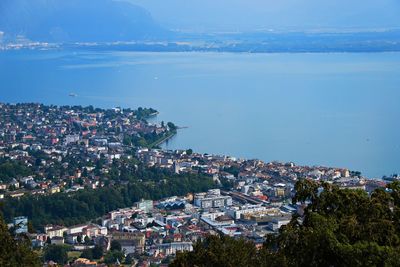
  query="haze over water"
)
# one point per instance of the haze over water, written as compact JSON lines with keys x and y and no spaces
{"x":339,"y":110}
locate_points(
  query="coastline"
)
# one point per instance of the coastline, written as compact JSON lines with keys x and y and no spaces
{"x":164,"y":139}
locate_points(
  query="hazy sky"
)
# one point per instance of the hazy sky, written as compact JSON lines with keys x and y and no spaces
{"x":241,"y":15}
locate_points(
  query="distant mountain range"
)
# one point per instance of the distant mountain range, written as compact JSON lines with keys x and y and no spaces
{"x":114,"y":24}
{"x":77,"y":21}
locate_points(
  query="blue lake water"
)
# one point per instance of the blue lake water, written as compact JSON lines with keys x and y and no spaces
{"x":339,"y":110}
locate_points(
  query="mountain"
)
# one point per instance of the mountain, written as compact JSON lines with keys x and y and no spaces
{"x":77,"y":21}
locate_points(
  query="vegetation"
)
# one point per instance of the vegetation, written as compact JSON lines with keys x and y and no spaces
{"x":82,"y":206}
{"x":115,"y":254}
{"x":56,"y":253}
{"x":219,"y":251}
{"x":93,"y":253}
{"x":115,"y":245}
{"x":144,"y":113}
{"x":339,"y":228}
{"x":149,"y":140}
{"x":15,"y":252}
{"x":12,"y":169}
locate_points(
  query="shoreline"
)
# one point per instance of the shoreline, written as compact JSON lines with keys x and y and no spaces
{"x":163,"y":140}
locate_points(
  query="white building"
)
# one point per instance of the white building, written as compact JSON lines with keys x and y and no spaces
{"x":212,"y":199}
{"x":172,"y":248}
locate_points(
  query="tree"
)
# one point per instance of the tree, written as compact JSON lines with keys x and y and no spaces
{"x":130,"y":260}
{"x":115,"y":246}
{"x":56,"y":253}
{"x":97,"y":252}
{"x":219,"y":251}
{"x":134,"y":215}
{"x":87,"y":254}
{"x":171,"y":126}
{"x":113,"y":256}
{"x":31,"y":229}
{"x":87,"y":240}
{"x":15,"y":252}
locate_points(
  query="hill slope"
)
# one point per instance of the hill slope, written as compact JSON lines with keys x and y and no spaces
{"x":77,"y":21}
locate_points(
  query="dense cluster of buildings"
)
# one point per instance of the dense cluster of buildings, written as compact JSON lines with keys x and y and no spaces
{"x":152,"y":232}
{"x":64,"y":149}
{"x":273,"y":181}
{"x":48,"y":149}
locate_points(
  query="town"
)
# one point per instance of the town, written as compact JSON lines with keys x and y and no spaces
{"x":50,"y":151}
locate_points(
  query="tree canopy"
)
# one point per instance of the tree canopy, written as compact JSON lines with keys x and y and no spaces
{"x":15,"y":252}
{"x":56,"y":253}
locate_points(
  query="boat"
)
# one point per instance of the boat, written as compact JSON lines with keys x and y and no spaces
{"x":73,"y":95}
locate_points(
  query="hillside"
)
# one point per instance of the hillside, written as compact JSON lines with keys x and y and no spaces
{"x":77,"y":21}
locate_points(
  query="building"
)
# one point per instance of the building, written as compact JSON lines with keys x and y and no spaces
{"x":131,"y":242}
{"x":94,"y":230}
{"x":212,"y":199}
{"x":21,"y":225}
{"x":53,"y":231}
{"x":84,"y":263}
{"x":277,"y":223}
{"x":238,"y":212}
{"x":172,"y":248}
{"x":57,"y":240}
{"x":71,"y":139}
{"x":145,"y":205}
{"x":77,"y":229}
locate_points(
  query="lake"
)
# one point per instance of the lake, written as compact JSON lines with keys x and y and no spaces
{"x":339,"y":110}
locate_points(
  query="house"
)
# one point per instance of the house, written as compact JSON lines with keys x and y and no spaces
{"x":84,"y":263}
{"x":57,"y":240}
{"x":94,"y":230}
{"x":17,"y":194}
{"x":14,"y":183}
{"x":54,"y":230}
{"x":54,"y":189}
{"x":72,"y":239}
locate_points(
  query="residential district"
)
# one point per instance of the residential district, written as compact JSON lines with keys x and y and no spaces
{"x":47,"y":150}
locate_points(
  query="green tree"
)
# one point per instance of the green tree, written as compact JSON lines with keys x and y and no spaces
{"x":87,"y":240}
{"x":171,"y":126}
{"x":219,"y":251}
{"x":112,"y":256}
{"x":87,"y":254}
{"x":56,"y":253}
{"x":115,"y":246}
{"x":97,"y":252}
{"x":15,"y":252}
